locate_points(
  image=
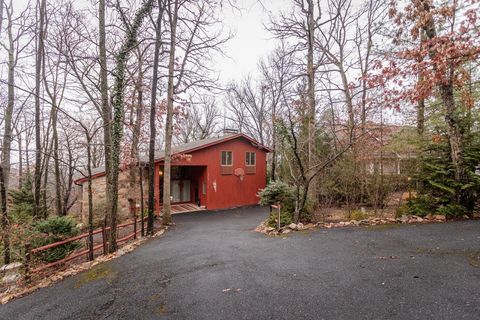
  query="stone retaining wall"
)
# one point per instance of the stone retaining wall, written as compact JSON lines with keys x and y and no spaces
{"x":99,"y":186}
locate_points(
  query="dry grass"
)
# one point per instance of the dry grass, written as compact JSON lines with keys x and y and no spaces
{"x":336,"y":214}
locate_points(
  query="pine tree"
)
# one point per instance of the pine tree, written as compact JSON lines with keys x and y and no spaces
{"x":441,"y":192}
{"x":23,"y":202}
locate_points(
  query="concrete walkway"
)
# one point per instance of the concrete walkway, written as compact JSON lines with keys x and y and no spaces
{"x":213,"y":266}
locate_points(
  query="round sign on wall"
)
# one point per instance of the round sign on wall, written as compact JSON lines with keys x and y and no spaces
{"x":239,"y":172}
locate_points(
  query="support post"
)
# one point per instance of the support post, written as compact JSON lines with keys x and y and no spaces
{"x":143,"y":220}
{"x":104,"y":240}
{"x":133,"y":212}
{"x":135,"y":225}
{"x":279,"y":220}
{"x":26,"y":265}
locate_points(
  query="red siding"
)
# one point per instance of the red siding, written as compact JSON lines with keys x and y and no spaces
{"x":230,"y":191}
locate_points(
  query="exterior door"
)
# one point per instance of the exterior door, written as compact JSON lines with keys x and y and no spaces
{"x":180,"y":190}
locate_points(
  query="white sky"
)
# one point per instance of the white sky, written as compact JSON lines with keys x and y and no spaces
{"x":251,"y":42}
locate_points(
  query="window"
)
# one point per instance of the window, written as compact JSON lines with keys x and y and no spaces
{"x":227,"y":158}
{"x":227,"y":163}
{"x":250,"y":162}
{"x":250,"y":158}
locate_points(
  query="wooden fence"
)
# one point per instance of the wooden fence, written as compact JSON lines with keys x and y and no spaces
{"x":31,"y":252}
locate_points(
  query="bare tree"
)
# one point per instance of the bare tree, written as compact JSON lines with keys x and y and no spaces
{"x":69,"y":162}
{"x":253,"y":100}
{"x":14,"y":49}
{"x":303,"y":25}
{"x":17,"y":30}
{"x":277,"y":76}
{"x":54,"y":78}
{"x":191,"y":30}
{"x":255,"y":105}
{"x":200,"y":120}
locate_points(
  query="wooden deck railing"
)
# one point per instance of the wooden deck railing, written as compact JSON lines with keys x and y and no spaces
{"x":31,"y":252}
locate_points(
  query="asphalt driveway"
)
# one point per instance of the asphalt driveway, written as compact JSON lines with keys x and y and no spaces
{"x":213,"y":266}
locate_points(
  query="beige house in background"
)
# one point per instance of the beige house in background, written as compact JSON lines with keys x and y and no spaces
{"x":384,"y":148}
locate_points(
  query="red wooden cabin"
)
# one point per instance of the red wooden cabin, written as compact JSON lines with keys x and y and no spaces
{"x":215,"y":173}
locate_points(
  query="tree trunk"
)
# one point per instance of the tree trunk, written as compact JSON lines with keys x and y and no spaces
{"x":421,"y":102}
{"x":274,"y":154}
{"x":420,"y":131}
{"x":311,"y":113}
{"x":349,"y":103}
{"x":153,"y":128}
{"x":420,"y":117}
{"x":136,"y":136}
{"x":5,"y":222}
{"x":43,"y":193}
{"x":454,"y":133}
{"x":68,"y":191}
{"x":38,"y":74}
{"x":142,"y":208}
{"x":365,"y":70}
{"x":56,"y":161}
{"x":20,"y":159}
{"x":27,"y":154}
{"x":90,"y":198}
{"x":106,"y":110}
{"x":1,"y":15}
{"x":166,"y":214}
{"x":7,"y":133}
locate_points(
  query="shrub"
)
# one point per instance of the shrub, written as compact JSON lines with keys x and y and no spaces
{"x":422,"y":205}
{"x":52,"y":230}
{"x":278,"y":192}
{"x":23,"y":203}
{"x":285,"y":218}
{"x":356,"y":215}
{"x":452,"y":210}
{"x":402,"y":211}
{"x":425,"y":204}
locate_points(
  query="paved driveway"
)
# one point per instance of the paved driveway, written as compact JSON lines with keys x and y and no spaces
{"x":212,"y":266}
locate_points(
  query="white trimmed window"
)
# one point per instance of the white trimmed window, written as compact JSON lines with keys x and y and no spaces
{"x":250,"y":158}
{"x":227,"y":158}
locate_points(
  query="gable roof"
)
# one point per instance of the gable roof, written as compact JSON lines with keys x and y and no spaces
{"x":205,"y":143}
{"x":183,"y":148}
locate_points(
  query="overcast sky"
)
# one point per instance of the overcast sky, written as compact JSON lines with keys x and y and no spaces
{"x":251,"y":41}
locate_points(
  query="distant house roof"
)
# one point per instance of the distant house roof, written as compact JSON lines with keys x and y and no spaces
{"x":392,"y":138}
{"x":184,"y":148}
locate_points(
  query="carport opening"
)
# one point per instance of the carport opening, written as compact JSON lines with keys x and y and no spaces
{"x":187,"y":188}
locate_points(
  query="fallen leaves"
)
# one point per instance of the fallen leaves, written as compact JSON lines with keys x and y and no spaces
{"x":371,"y":221}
